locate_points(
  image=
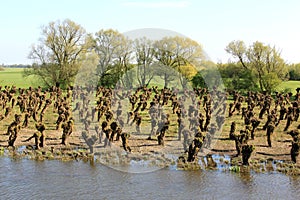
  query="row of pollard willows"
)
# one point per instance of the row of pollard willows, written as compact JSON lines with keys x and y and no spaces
{"x":33,"y":103}
{"x":192,"y":123}
{"x":278,"y":108}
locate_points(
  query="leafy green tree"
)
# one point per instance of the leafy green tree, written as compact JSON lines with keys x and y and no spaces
{"x":270,"y":81}
{"x":235,"y":77}
{"x":198,"y":80}
{"x":86,"y":75}
{"x":208,"y":78}
{"x":124,"y":63}
{"x":261,"y":60}
{"x":114,"y":51}
{"x":175,"y":52}
{"x":58,"y":56}
{"x":205,"y":64}
{"x":144,"y":56}
{"x":294,"y":72}
{"x":107,"y":45}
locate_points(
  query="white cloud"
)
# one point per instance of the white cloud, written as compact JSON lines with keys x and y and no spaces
{"x":157,"y":4}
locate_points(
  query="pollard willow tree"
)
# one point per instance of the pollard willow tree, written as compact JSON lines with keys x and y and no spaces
{"x":62,"y":49}
{"x":263,"y":61}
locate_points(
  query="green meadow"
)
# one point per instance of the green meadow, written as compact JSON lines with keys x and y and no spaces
{"x":14,"y":76}
{"x":289,"y":86}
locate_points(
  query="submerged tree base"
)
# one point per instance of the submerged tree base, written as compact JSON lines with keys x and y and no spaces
{"x":120,"y":159}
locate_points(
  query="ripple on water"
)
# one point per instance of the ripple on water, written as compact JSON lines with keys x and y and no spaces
{"x":27,"y":179}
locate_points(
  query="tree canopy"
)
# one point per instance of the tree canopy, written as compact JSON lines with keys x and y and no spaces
{"x":235,"y":77}
{"x":176,"y":52}
{"x":262,"y":60}
{"x":121,"y":59}
{"x":144,"y":56}
{"x":108,"y":58}
{"x":294,"y":72}
{"x":57,"y":58}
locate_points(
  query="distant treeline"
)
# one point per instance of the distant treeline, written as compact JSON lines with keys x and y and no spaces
{"x":15,"y":66}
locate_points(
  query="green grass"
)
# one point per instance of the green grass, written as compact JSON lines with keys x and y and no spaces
{"x":289,"y":86}
{"x":14,"y":76}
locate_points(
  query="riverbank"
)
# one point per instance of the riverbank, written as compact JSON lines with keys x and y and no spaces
{"x":147,"y":156}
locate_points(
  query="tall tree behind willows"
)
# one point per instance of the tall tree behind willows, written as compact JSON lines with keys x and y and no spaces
{"x":235,"y":77}
{"x":264,"y":61}
{"x":59,"y":54}
{"x":176,"y":52}
{"x":144,"y":56}
{"x":107,"y":45}
{"x":115,"y":54}
{"x":294,"y":71}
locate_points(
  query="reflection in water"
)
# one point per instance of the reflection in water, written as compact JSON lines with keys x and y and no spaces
{"x":26,"y":179}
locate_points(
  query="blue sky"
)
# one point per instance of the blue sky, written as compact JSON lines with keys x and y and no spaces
{"x":212,"y":23}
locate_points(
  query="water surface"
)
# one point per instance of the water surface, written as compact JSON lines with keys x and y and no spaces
{"x":28,"y":179}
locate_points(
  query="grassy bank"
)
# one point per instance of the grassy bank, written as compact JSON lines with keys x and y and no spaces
{"x":289,"y":86}
{"x":14,"y":76}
